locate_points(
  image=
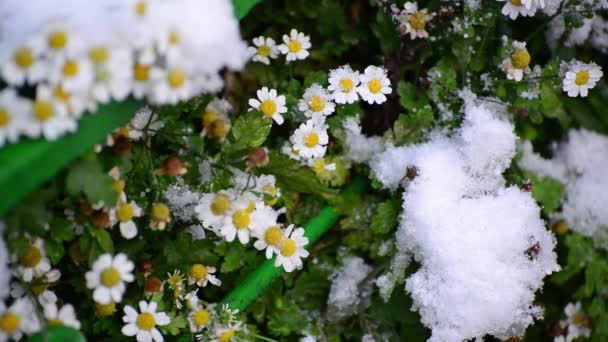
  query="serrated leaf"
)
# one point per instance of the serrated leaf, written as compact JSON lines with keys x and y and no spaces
{"x":61,"y":230}
{"x":548,"y":192}
{"x":232,"y":261}
{"x":248,"y":131}
{"x":177,"y":323}
{"x":103,"y":239}
{"x":55,"y":251}
{"x":409,"y":127}
{"x":386,"y":217}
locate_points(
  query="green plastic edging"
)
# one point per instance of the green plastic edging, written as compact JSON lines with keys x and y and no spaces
{"x":257,"y":281}
{"x":58,"y":334}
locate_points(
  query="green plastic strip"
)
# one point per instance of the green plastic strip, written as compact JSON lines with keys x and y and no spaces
{"x":257,"y":281}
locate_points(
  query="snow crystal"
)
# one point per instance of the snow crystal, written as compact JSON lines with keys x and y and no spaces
{"x":181,"y":200}
{"x":482,"y":247}
{"x":349,"y":294}
{"x":359,"y":148}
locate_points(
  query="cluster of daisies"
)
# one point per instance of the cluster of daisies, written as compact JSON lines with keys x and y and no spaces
{"x":577,"y":324}
{"x":295,"y":46}
{"x":69,"y":57}
{"x":308,"y":143}
{"x":245,"y":212}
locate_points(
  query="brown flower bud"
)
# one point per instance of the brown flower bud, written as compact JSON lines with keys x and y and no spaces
{"x":122,"y":146}
{"x":146,"y":267}
{"x":411,"y":172}
{"x":523,"y":112}
{"x":533,"y":251}
{"x":258,"y":157}
{"x":172,"y":166}
{"x":100,"y":219}
{"x":526,"y":185}
{"x":153,"y":285}
{"x":560,"y":227}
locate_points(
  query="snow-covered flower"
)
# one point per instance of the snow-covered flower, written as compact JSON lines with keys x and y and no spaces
{"x":13,"y":112}
{"x":18,"y":319}
{"x":515,"y":8}
{"x":316,"y":102}
{"x":239,"y":221}
{"x":143,"y":324}
{"x":576,"y":320}
{"x":310,"y":139}
{"x":295,"y":45}
{"x":531,"y":4}
{"x":160,"y":216}
{"x":413,"y":20}
{"x":49,"y":117}
{"x":263,"y":50}
{"x":198,"y":318}
{"x":517,"y":63}
{"x":34,"y":263}
{"x":108,"y":277}
{"x":343,"y":83}
{"x":144,"y":119}
{"x":201,"y":275}
{"x":292,"y":249}
{"x":270,"y":104}
{"x":26,"y":64}
{"x":125,"y":212}
{"x":374,"y":85}
{"x":580,"y":77}
{"x":113,"y":73}
{"x":212,"y":208}
{"x":65,"y":315}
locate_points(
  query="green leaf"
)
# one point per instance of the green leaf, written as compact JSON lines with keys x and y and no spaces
{"x":232,"y":261}
{"x":409,"y":127}
{"x":87,"y":176}
{"x":315,"y":77}
{"x":58,"y":334}
{"x":385,"y":218}
{"x":103,"y":238}
{"x":55,"y":251}
{"x":548,"y":192}
{"x":177,"y":323}
{"x":248,"y":131}
{"x":61,"y":230}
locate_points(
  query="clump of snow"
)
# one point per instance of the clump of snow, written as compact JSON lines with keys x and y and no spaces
{"x":349,"y":294}
{"x":580,"y":164}
{"x":181,"y":200}
{"x":482,"y":246}
{"x":359,"y":148}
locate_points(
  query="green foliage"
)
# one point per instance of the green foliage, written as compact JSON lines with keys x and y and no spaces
{"x":87,"y":177}
{"x":385,"y":218}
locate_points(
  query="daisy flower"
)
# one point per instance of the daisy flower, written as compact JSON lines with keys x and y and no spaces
{"x":113,"y":73}
{"x":216,"y":123}
{"x":143,"y":324}
{"x":226,"y":333}
{"x":13,"y":111}
{"x":172,"y":85}
{"x":265,"y":228}
{"x":577,"y":320}
{"x":60,"y":41}
{"x":170,"y":44}
{"x":316,"y":102}
{"x":108,"y":276}
{"x":270,"y":104}
{"x":580,"y":77}
{"x":34,"y":263}
{"x":263,"y":50}
{"x":266,"y":185}
{"x":288,"y":150}
{"x":201,"y":275}
{"x":198,"y":318}
{"x":26,"y":64}
{"x":310,"y":139}
{"x":239,"y":221}
{"x":295,"y":45}
{"x":49,"y":117}
{"x":74,"y":75}
{"x":343,"y":83}
{"x":515,"y":8}
{"x":374,"y":85}
{"x":160,"y":216}
{"x":292,"y":249}
{"x":413,"y":21}
{"x":124,"y":213}
{"x":65,"y":315}
{"x":517,"y":63}
{"x":141,"y":80}
{"x":531,"y":4}
{"x":212,"y":208}
{"x":18,"y":319}
{"x":319,"y":165}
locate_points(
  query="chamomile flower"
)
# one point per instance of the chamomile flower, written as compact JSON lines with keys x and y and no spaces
{"x":226,"y":333}
{"x":113,"y":73}
{"x":517,"y":63}
{"x":270,"y":104}
{"x":124,"y":214}
{"x":170,"y":44}
{"x":266,"y":185}
{"x":26,"y":64}
{"x":414,"y":21}
{"x":343,"y":83}
{"x":201,"y":275}
{"x":34,"y":263}
{"x":319,"y":165}
{"x":198,"y":318}
{"x":292,"y":249}
{"x":316,"y":102}
{"x":108,"y":277}
{"x":295,"y":45}
{"x":172,"y":85}
{"x":530,"y":4}
{"x":13,"y":112}
{"x":143,"y":324}
{"x":239,"y":221}
{"x":263,"y":50}
{"x":75,"y":75}
{"x":160,"y":216}
{"x":49,"y":117}
{"x":310,"y":139}
{"x":141,"y":80}
{"x":65,"y":315}
{"x":216,"y":123}
{"x":269,"y":239}
{"x":60,"y":40}
{"x":18,"y":319}
{"x":580,"y":77}
{"x":576,"y":320}
{"x":515,"y":8}
{"x":288,"y":150}
{"x":374,"y":85}
{"x":213,"y":208}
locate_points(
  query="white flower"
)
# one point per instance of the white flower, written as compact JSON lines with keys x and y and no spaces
{"x":576,"y":321}
{"x":34,"y":263}
{"x":318,"y":165}
{"x":124,"y":213}
{"x":413,"y":21}
{"x":113,"y":73}
{"x":292,"y":249}
{"x":580,"y":77}
{"x":226,"y":333}
{"x":144,"y":118}
{"x":60,"y":40}
{"x":238,"y":221}
{"x":263,"y":50}
{"x":18,"y":319}
{"x":108,"y":276}
{"x":65,"y":316}
{"x":343,"y":83}
{"x":295,"y":45}
{"x":198,"y":318}
{"x":288,"y":150}
{"x":143,"y":324}
{"x":374,"y":85}
{"x":141,"y":80}
{"x":310,"y":139}
{"x":531,"y":4}
{"x":26,"y":64}
{"x":213,"y":208}
{"x":316,"y":102}
{"x":13,"y":112}
{"x":75,"y":75}
{"x":266,"y":230}
{"x":49,"y":117}
{"x":515,"y":8}
{"x":172,"y":85}
{"x":270,"y":104}
{"x":517,"y":63}
{"x":201,"y":275}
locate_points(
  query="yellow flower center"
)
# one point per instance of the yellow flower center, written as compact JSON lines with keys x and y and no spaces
{"x":264,"y":50}
{"x":311,"y":140}
{"x":105,"y":309}
{"x":316,"y":103}
{"x":582,"y":77}
{"x":578,"y":318}
{"x":516,"y":2}
{"x":61,"y":94}
{"x":39,"y":289}
{"x":54,"y":322}
{"x":318,"y":165}
{"x":176,"y":78}
{"x":32,"y":257}
{"x":417,"y":20}
{"x":125,"y":212}
{"x":269,"y":189}
{"x":145,"y":321}
{"x":241,"y":219}
{"x":227,"y":335}
{"x":4,"y":117}
{"x":374,"y":86}
{"x":43,"y":110}
{"x":99,"y":55}
{"x":219,"y":129}
{"x":58,"y":40}
{"x":140,"y":8}
{"x":289,"y":247}
{"x":268,"y":107}
{"x":70,"y":68}
{"x":160,"y":212}
{"x":294,"y":46}
{"x":118,"y":186}
{"x":209,"y":117}
{"x":141,"y":72}
{"x":24,"y":58}
{"x":173,"y":37}
{"x":9,"y":323}
{"x":347,"y":85}
{"x":520,"y":59}
{"x":201,"y":317}
{"x":220,"y":205}
{"x":198,"y":271}
{"x":110,"y":277}
{"x":273,"y":235}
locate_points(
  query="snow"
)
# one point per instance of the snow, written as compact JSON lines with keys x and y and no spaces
{"x":482,"y":247}
{"x":359,"y":148}
{"x":349,"y":294}
{"x":181,"y":200}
